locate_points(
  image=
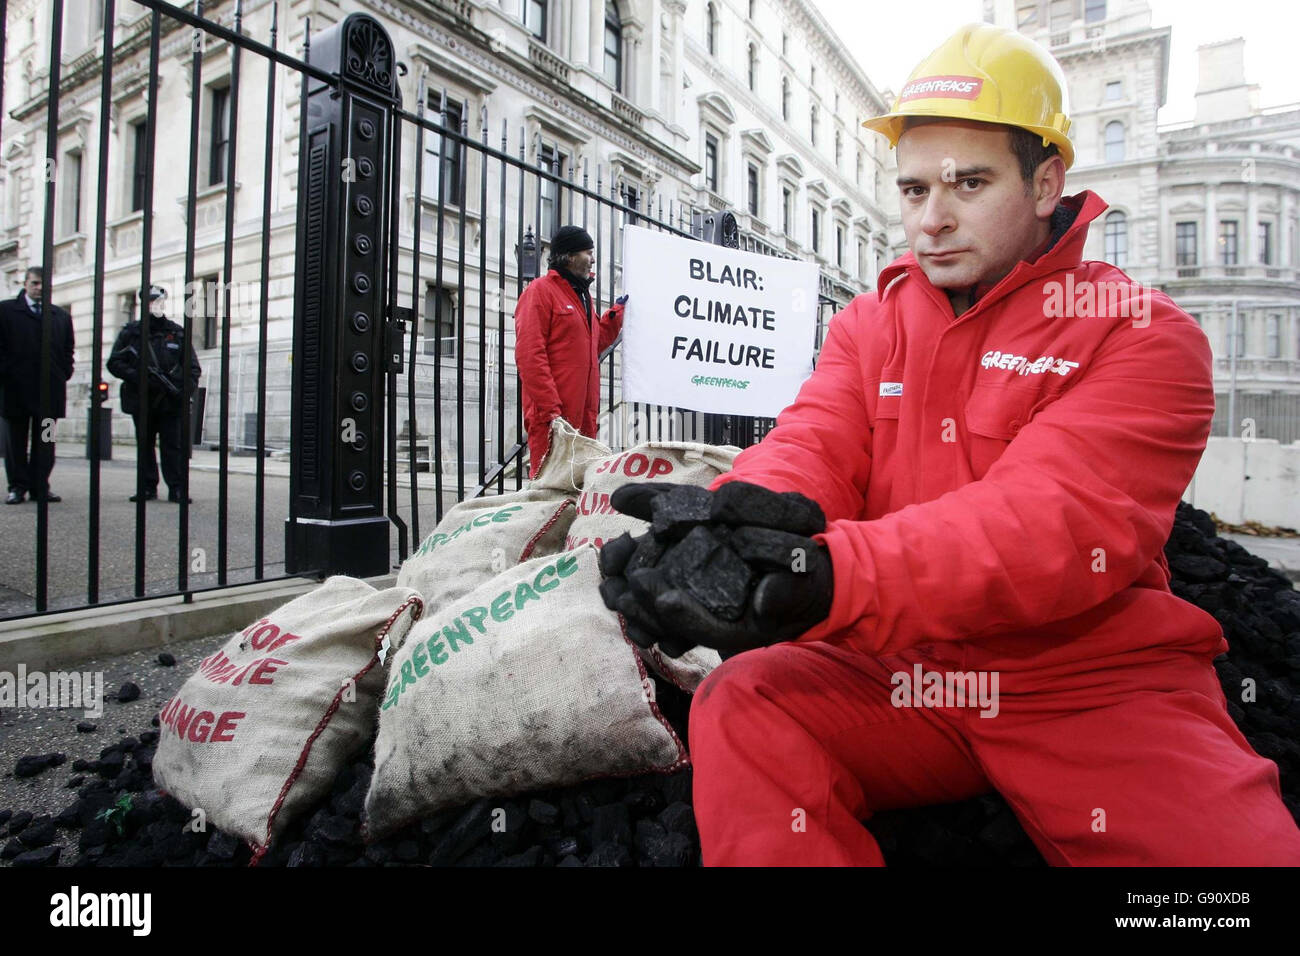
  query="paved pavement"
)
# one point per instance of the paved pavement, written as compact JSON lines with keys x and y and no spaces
{"x":69,"y":530}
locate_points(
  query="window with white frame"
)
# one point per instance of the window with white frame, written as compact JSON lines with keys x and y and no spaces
{"x":613,"y":47}
{"x":785,"y":98}
{"x":1114,"y":91}
{"x":209,"y":300}
{"x":70,"y":187}
{"x":1275,"y":336}
{"x":533,"y":13}
{"x":752,"y":185}
{"x":815,"y":225}
{"x":442,"y":154}
{"x":711,"y":28}
{"x":440,"y":321}
{"x":554,"y":162}
{"x":839,"y":244}
{"x":1265,"y":243}
{"x":218,"y":133}
{"x":1185,"y":251}
{"x":1116,"y":235}
{"x":138,"y":146}
{"x":787,"y":209}
{"x":1228,"y":242}
{"x":1114,"y":139}
{"x":752,"y":66}
{"x":711,"y":162}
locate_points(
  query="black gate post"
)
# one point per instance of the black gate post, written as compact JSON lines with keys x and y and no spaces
{"x":336,"y":521}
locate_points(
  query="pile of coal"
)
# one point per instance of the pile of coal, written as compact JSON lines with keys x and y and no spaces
{"x":120,"y":819}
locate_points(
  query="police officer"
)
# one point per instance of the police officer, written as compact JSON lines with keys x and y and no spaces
{"x":166,"y":365}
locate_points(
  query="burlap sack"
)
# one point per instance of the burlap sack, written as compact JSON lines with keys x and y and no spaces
{"x":261,"y":730}
{"x":685,"y":463}
{"x":526,"y":683}
{"x":479,"y":538}
{"x":563,"y":464}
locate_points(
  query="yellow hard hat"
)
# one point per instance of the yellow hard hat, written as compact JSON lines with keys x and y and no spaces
{"x":989,"y":74}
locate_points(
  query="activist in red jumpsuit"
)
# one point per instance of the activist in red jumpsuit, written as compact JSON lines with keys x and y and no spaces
{"x":558,"y":341}
{"x":998,"y":464}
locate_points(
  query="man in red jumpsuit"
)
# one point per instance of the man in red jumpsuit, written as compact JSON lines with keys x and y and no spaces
{"x":972,"y":490}
{"x":558,"y":341}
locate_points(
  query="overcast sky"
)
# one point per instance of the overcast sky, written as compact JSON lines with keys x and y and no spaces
{"x":889,"y":39}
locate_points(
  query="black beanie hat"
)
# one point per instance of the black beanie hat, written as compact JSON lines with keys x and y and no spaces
{"x":569,"y":239}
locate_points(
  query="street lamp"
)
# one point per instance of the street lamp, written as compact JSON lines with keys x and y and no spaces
{"x":528,"y":256}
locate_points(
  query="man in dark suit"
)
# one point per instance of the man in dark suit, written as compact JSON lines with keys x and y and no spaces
{"x":20,"y":387}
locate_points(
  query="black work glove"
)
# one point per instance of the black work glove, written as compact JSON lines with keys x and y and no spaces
{"x":618,"y":558}
{"x":621,"y":300}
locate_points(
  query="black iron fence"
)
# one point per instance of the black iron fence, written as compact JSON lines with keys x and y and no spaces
{"x":342,"y":259}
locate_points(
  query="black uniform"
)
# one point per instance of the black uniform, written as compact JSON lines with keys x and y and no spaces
{"x":166,"y":370}
{"x":20,"y":389}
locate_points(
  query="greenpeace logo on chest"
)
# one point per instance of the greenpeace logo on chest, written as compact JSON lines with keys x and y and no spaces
{"x":1024,"y":365}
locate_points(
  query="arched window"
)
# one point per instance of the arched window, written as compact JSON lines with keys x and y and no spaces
{"x":785,"y":98}
{"x":1117,"y":239}
{"x":613,"y":47}
{"x":1114,"y":141}
{"x":753,"y":67}
{"x":711,"y":28}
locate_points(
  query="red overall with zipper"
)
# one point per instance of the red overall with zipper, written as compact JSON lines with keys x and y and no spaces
{"x":998,"y":488}
{"x":557,"y":348}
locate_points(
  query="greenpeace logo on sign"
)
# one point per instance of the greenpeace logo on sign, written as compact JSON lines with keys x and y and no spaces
{"x":949,"y":87}
{"x":102,"y":909}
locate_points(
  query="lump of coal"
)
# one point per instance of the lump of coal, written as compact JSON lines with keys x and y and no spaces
{"x":32,"y":764}
{"x":706,"y":567}
{"x":676,"y":513}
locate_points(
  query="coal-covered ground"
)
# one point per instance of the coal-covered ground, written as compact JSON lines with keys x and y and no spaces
{"x":639,"y":821}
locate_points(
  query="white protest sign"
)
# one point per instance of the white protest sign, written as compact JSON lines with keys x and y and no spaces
{"x":714,"y":329}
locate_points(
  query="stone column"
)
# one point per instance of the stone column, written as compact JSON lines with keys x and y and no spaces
{"x":677,"y":37}
{"x":579,"y":52}
{"x":1251,"y":244}
{"x":1211,"y":247}
{"x":596,"y":43}
{"x":1284,"y":229}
